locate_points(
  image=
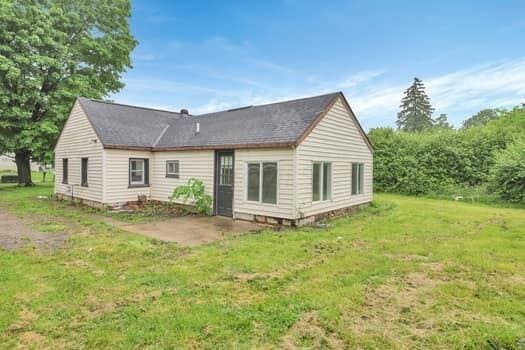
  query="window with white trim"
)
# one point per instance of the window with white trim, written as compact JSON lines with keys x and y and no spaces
{"x":262,"y":178}
{"x":321,"y":181}
{"x":358,"y":178}
{"x":172,"y":169}
{"x":138,"y":172}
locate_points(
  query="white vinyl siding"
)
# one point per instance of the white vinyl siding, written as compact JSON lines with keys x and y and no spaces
{"x":337,"y":140}
{"x":192,"y":164}
{"x":78,"y":140}
{"x":284,"y":208}
{"x":117,"y":184}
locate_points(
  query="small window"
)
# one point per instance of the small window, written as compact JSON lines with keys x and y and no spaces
{"x":65,"y":171}
{"x":262,"y":182}
{"x":358,"y":178}
{"x":138,"y":172}
{"x":321,"y":181}
{"x":172,"y":169}
{"x":226,"y":171}
{"x":84,"y":172}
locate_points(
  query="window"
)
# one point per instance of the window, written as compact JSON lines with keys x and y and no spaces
{"x":138,"y":172}
{"x":358,"y":176}
{"x":269,"y":183}
{"x":254,"y":177}
{"x":226,"y":171}
{"x":64,"y":171}
{"x":84,"y":172}
{"x":262,"y":182}
{"x":172,"y":169}
{"x":321,"y":181}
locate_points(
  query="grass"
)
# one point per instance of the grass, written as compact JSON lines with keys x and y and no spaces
{"x":403,"y":273}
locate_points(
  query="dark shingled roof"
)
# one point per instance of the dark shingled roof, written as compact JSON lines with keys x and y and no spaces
{"x":275,"y":124}
{"x":122,"y":125}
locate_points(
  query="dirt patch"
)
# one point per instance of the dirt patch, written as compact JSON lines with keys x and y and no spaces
{"x":14,"y":234}
{"x":308,"y":333}
{"x":401,"y":301}
{"x":30,"y":339}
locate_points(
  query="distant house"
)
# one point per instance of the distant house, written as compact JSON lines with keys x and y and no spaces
{"x":290,"y":162}
{"x":7,"y":162}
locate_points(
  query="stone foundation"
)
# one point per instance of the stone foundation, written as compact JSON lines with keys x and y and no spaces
{"x":83,"y":201}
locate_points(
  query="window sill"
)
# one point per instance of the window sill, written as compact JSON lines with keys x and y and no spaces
{"x":137,"y":186}
{"x":173,"y":176}
{"x":263,"y":203}
{"x":86,"y":186}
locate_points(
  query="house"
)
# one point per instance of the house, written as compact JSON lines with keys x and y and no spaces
{"x":290,"y":162}
{"x":7,"y":162}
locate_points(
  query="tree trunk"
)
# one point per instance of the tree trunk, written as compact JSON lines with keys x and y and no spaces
{"x":23,"y":167}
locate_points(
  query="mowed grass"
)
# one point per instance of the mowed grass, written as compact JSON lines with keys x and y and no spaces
{"x":403,"y":273}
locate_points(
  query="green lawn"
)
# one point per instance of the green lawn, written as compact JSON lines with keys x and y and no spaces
{"x":404,"y":273}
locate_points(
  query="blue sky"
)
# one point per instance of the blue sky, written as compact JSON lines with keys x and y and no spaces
{"x":215,"y":55}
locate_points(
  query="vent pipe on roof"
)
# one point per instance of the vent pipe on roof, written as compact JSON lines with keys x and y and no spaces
{"x":197,"y":128}
{"x":184,"y":112}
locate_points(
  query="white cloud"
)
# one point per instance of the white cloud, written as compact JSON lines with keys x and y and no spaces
{"x":495,"y":84}
{"x":360,"y":77}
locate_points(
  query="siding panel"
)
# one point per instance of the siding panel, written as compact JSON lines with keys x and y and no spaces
{"x":335,"y":139}
{"x":116,"y":177}
{"x":197,"y":164}
{"x":78,"y":140}
{"x":285,"y":184}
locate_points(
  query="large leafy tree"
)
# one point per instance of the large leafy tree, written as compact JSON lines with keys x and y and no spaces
{"x":52,"y":51}
{"x":416,"y":111}
{"x":482,"y":117}
{"x":441,"y":122}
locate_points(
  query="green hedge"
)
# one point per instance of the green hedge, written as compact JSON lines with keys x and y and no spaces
{"x":439,"y":160}
{"x":507,"y":178}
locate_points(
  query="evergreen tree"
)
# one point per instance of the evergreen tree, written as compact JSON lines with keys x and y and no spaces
{"x":416,"y":112}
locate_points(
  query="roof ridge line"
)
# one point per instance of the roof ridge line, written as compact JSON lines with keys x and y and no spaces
{"x":271,"y":103}
{"x":132,"y":106}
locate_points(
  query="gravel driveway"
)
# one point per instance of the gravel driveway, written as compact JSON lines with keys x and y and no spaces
{"x":14,"y":233}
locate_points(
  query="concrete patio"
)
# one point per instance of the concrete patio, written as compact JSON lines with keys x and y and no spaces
{"x":191,"y":230}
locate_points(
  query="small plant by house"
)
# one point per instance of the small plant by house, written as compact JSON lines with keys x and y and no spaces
{"x":194,"y":193}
